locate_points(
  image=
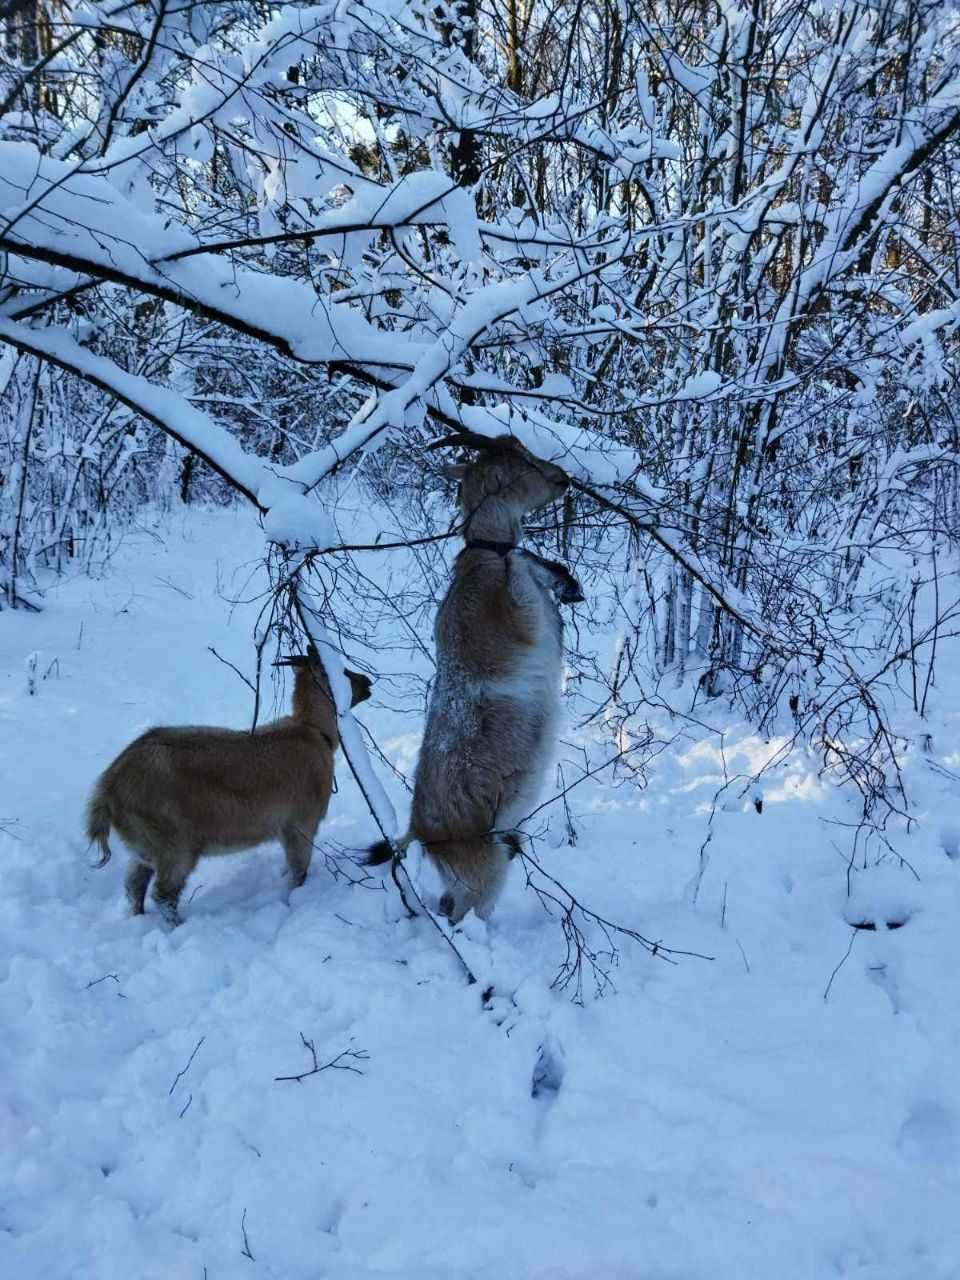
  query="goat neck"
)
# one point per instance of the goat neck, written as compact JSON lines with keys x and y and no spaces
{"x":494,"y":521}
{"x":313,"y":704}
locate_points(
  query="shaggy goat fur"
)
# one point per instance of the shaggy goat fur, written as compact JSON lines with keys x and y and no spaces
{"x":493,"y":708}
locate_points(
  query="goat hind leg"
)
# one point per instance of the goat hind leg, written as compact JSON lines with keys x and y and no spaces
{"x":171,"y":877}
{"x":492,"y":877}
{"x":298,"y":846}
{"x":473,"y":872}
{"x":137,"y":881}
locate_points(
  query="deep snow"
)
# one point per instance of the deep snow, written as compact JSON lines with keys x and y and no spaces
{"x":709,"y":1120}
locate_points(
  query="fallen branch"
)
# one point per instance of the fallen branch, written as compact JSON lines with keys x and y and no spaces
{"x":840,"y":963}
{"x":246,"y":1242}
{"x":335,"y":1064}
{"x":95,"y":982}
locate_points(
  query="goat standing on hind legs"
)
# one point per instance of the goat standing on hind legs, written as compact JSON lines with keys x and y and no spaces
{"x":494,"y":705}
{"x":178,"y":794}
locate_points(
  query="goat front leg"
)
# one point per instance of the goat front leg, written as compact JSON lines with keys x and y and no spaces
{"x":298,"y":846}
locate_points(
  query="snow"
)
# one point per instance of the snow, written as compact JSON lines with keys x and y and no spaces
{"x":40,"y":197}
{"x":294,"y":520}
{"x":39,"y":203}
{"x":694,"y":79}
{"x":922,"y":329}
{"x":163,"y":405}
{"x":706,"y":1119}
{"x":700,"y":385}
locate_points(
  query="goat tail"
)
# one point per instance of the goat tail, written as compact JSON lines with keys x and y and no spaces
{"x":378,"y":854}
{"x":100,"y":820}
{"x":386,"y":850}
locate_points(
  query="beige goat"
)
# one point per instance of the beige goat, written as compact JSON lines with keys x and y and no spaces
{"x":178,"y":794}
{"x":493,"y":708}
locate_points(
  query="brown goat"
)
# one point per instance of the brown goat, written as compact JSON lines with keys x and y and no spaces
{"x":178,"y":794}
{"x":493,"y":708}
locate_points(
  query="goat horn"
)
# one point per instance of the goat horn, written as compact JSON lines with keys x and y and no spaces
{"x":448,"y":442}
{"x":472,"y":440}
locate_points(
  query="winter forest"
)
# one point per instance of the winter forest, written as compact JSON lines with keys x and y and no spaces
{"x":278,"y":283}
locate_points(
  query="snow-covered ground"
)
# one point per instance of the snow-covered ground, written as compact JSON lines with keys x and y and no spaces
{"x":709,"y":1120}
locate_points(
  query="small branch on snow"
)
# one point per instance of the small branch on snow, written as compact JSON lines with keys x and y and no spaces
{"x":246,"y":1240}
{"x":186,"y":1068}
{"x":335,"y":1064}
{"x":95,"y":982}
{"x":842,"y":962}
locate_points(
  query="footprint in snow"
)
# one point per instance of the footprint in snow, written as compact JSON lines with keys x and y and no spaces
{"x":929,"y":1134}
{"x":882,"y":976}
{"x":950,"y":839}
{"x":548,"y":1070}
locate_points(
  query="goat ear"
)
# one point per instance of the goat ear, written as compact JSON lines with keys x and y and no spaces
{"x":360,"y":684}
{"x":454,"y":470}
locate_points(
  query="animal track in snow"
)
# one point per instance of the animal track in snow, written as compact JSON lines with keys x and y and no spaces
{"x":880,"y":975}
{"x":929,"y":1133}
{"x":548,"y":1070}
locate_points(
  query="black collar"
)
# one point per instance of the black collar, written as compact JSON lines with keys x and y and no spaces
{"x":482,"y":544}
{"x":567,"y":587}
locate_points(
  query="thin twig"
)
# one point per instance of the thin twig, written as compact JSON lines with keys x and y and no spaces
{"x":181,"y":1074}
{"x":396,"y":868}
{"x":226,"y":663}
{"x":335,"y":1064}
{"x":246,"y":1242}
{"x":843,"y":960}
{"x":165,"y":582}
{"x":552,"y":894}
{"x":96,"y":982}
